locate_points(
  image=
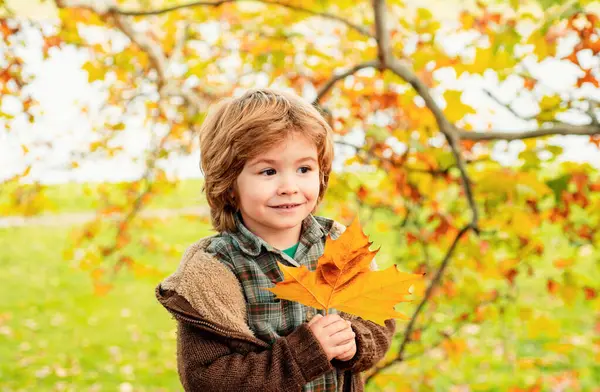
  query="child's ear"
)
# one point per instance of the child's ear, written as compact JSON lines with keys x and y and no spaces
{"x":234,"y":201}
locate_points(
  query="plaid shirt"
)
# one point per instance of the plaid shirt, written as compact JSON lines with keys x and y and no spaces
{"x":254,"y":262}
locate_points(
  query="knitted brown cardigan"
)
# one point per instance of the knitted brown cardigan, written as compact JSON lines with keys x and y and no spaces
{"x":217,"y":351}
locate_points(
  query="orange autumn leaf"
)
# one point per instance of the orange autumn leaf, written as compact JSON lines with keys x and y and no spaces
{"x":552,"y":286}
{"x":454,"y":348}
{"x":590,"y":293}
{"x":344,"y":281}
{"x":588,"y":78}
{"x":101,"y":289}
{"x":529,"y":83}
{"x":564,"y":263}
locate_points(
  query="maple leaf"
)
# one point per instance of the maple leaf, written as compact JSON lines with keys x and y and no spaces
{"x":343,"y":280}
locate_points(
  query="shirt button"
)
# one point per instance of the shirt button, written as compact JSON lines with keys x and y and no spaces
{"x":309,"y":314}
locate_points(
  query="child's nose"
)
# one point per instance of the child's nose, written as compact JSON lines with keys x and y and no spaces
{"x":287,"y":185}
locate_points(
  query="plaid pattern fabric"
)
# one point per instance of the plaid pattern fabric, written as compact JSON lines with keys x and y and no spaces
{"x":254,"y":262}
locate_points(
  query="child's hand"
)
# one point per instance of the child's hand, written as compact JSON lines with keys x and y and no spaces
{"x":348,"y":355}
{"x":335,"y":335}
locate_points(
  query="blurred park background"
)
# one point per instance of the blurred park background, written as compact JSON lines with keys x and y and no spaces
{"x":467,"y":141}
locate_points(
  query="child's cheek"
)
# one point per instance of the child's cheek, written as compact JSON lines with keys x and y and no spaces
{"x":316,"y":190}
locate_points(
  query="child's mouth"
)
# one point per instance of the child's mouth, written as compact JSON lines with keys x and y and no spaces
{"x":286,"y":206}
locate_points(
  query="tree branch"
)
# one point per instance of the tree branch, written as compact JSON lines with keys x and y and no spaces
{"x":101,"y":7}
{"x":593,"y":106}
{"x":388,"y":60}
{"x":159,"y":61}
{"x":433,"y":172}
{"x":434,"y":283}
{"x":448,"y":335}
{"x":335,"y":78}
{"x":155,"y":54}
{"x":175,"y":8}
{"x":325,"y":15}
{"x":183,"y":35}
{"x":157,"y":57}
{"x":384,"y":50}
{"x":507,"y":106}
{"x":560,"y":129}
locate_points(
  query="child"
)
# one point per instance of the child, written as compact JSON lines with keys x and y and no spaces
{"x":266,"y":158}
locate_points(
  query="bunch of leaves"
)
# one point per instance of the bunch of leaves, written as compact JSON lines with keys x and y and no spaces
{"x":343,"y":280}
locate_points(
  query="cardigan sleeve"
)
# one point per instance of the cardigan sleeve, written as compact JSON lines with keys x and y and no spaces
{"x":207,"y":363}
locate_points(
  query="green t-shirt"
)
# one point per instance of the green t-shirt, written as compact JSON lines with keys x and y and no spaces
{"x":291,"y":251}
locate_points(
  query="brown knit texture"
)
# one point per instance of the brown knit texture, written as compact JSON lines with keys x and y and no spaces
{"x":232,"y":358}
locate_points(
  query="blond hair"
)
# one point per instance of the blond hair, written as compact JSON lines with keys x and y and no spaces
{"x":237,"y":130}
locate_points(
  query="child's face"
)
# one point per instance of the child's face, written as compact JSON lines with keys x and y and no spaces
{"x":280,"y":187}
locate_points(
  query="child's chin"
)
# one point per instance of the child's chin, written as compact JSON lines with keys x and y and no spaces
{"x":287,"y":222}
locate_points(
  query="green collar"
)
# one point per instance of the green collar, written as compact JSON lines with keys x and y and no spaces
{"x":291,"y":251}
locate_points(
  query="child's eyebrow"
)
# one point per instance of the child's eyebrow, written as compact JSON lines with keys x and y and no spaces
{"x":273,"y":161}
{"x":306,"y":159}
{"x":264,"y":160}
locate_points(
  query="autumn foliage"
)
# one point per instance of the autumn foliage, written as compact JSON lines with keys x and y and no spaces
{"x":344,"y":280}
{"x":449,"y":121}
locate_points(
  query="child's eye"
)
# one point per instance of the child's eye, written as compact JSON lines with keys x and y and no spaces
{"x":268,"y":172}
{"x":305,"y":169}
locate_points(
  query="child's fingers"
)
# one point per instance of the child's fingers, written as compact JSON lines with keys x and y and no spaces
{"x":347,"y":352}
{"x":343,"y":348}
{"x":346,"y":342}
{"x":342,"y":337}
{"x":330,"y":324}
{"x":335,"y":327}
{"x":331,"y":319}
{"x":315,"y":319}
{"x":344,"y":328}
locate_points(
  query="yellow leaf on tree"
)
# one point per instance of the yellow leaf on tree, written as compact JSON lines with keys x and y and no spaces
{"x":454,"y":348}
{"x":522,"y":223}
{"x":344,"y":281}
{"x":398,"y":381}
{"x":561,"y":348}
{"x":569,"y":294}
{"x":540,"y":45}
{"x":95,"y":71}
{"x":527,"y":363}
{"x":543,"y":326}
{"x":455,"y":109}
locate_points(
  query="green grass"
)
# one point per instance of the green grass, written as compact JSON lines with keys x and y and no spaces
{"x":54,"y":331}
{"x":77,"y":197}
